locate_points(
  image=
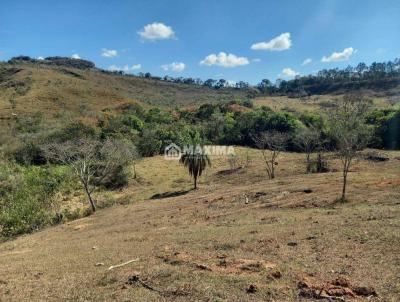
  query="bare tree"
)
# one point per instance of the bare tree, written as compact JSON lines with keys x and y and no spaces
{"x":271,"y":143}
{"x":348,"y":128}
{"x":91,"y":161}
{"x":308,"y":140}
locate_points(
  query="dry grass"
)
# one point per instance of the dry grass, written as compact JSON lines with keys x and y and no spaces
{"x":315,"y":103}
{"x":208,"y":245}
{"x":58,"y":91}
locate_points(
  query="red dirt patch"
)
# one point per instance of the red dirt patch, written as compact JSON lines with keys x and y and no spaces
{"x":341,"y":287}
{"x":389,"y":183}
{"x":220,"y":265}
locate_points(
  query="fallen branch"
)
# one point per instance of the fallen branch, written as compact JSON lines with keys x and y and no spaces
{"x":122,"y":264}
{"x":136,"y":279}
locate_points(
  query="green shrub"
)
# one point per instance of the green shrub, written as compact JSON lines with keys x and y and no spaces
{"x":30,"y":124}
{"x":149,"y":143}
{"x":31,"y":206}
{"x":29,"y":153}
{"x":386,"y":125}
{"x":117,"y":178}
{"x":156,"y":115}
{"x":155,"y":137}
{"x":120,"y":127}
{"x":75,"y":130}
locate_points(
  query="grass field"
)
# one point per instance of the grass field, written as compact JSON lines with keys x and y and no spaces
{"x":55,"y":91}
{"x":210,"y":245}
{"x":316,"y":103}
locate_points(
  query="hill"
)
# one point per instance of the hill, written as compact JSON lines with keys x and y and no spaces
{"x":210,"y":245}
{"x":62,"y":87}
{"x":53,"y":89}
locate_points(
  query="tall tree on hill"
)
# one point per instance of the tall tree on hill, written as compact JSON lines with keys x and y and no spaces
{"x":194,"y":159}
{"x":349,"y":130}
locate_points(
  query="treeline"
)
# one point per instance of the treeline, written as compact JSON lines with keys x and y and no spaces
{"x":56,"y":61}
{"x":234,"y":123}
{"x":375,"y":76}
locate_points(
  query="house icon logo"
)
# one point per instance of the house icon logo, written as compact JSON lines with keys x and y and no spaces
{"x":172,"y":152}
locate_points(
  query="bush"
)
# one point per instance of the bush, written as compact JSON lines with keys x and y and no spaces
{"x":318,"y":165}
{"x":75,"y":130}
{"x":386,"y":125}
{"x":117,"y":178}
{"x":149,"y":143}
{"x":155,"y":138}
{"x":120,"y":127}
{"x":30,"y":206}
{"x":29,"y":153}
{"x":155,"y":115}
{"x":31,"y":124}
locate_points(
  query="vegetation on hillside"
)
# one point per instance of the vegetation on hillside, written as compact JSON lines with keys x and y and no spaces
{"x":112,"y":111}
{"x":150,"y":130}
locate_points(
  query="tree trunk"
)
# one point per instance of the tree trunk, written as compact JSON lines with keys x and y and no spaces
{"x":195,"y":182}
{"x":134,"y":170}
{"x":272,"y":169}
{"x":308,"y":163}
{"x":92,"y":205}
{"x":343,"y":198}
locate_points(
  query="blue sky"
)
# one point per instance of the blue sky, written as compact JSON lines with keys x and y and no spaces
{"x":113,"y":34}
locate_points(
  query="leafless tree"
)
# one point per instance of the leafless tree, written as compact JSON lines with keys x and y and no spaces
{"x":348,"y":128}
{"x":271,"y":143}
{"x":90,"y":160}
{"x":308,"y":140}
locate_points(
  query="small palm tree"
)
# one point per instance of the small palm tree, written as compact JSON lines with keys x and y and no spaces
{"x":195,"y":160}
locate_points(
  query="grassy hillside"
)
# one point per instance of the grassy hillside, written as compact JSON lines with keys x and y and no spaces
{"x":55,"y":90}
{"x":64,"y":91}
{"x":318,"y":103}
{"x":210,"y":245}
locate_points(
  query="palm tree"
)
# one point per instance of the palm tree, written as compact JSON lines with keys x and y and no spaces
{"x":195,"y":160}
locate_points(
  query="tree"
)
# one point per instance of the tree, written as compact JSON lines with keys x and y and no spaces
{"x":264,"y":85}
{"x":194,"y":159}
{"x":308,"y":140}
{"x":348,"y":128}
{"x":91,"y":161}
{"x":271,"y":143}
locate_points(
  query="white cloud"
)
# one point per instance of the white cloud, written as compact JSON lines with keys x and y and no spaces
{"x":306,"y":62}
{"x":288,"y":73}
{"x":125,"y":68}
{"x":40,"y":58}
{"x":224,"y":60}
{"x":75,"y":56}
{"x":109,"y":53}
{"x":340,"y":56}
{"x":256,"y":60}
{"x":175,"y":66}
{"x":279,"y":43}
{"x":156,"y":31}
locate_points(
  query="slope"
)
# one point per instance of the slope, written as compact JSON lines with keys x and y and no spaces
{"x":210,"y":245}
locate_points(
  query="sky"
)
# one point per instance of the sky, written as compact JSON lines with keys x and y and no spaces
{"x":235,"y":40}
